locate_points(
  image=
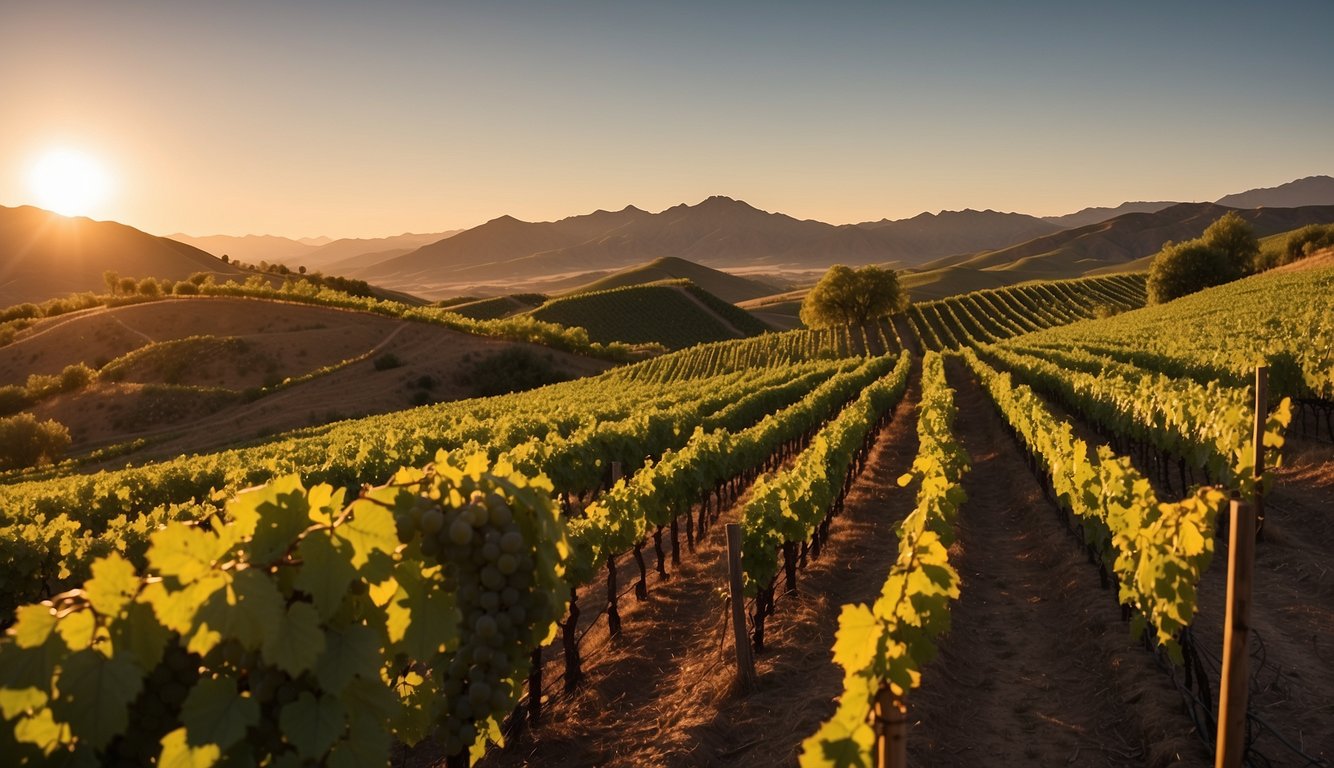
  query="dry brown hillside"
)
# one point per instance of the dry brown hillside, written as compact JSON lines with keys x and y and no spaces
{"x":184,"y":373}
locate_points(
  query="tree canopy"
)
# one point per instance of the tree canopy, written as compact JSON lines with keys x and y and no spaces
{"x":856,"y":296}
{"x":1227,"y":251}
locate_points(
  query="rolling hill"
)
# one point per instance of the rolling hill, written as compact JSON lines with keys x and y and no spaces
{"x":1097,"y":215}
{"x":44,"y":255}
{"x":729,"y":288}
{"x":1120,"y":244}
{"x":183,"y":373}
{"x":676,"y":314}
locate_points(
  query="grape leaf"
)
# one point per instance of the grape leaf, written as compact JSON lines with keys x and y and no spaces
{"x":178,"y":752}
{"x":312,"y":725}
{"x":214,"y":713}
{"x":295,"y":642}
{"x":113,"y":585}
{"x":93,"y":694}
{"x":184,"y":551}
{"x":369,"y":529}
{"x":348,"y":652}
{"x":325,"y":571}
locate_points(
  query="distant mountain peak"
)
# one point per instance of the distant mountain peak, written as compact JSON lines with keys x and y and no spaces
{"x":1311,"y":190}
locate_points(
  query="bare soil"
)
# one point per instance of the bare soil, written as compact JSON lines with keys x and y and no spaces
{"x":293,"y":339}
{"x":1038,"y":666}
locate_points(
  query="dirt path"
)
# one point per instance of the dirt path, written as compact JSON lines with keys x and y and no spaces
{"x":711,"y":313}
{"x":664,"y":695}
{"x":1037,"y":667}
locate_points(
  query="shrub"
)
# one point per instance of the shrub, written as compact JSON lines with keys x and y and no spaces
{"x":26,"y":442}
{"x":510,"y":370}
{"x":185,"y":288}
{"x":1225,"y":252}
{"x":386,"y":361}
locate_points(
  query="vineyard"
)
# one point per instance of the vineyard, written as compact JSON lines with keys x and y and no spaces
{"x":994,"y":529}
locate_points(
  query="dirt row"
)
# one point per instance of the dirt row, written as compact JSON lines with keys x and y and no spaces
{"x":1038,"y":666}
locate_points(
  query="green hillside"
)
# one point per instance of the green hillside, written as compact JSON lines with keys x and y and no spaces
{"x":675,"y":314}
{"x":729,"y":288}
{"x":992,"y":315}
{"x":497,"y":307}
{"x":1219,"y":334}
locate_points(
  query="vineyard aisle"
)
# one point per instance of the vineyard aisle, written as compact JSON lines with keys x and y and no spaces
{"x":664,"y":695}
{"x":1037,"y":667}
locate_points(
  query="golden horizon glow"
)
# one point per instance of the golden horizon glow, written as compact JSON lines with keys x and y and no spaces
{"x":69,"y":181}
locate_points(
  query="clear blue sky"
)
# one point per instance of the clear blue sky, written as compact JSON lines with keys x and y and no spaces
{"x":347,"y":119}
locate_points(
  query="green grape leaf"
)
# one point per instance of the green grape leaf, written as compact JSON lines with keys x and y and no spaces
{"x":214,"y":713}
{"x":25,"y":676}
{"x":855,"y":640}
{"x":244,"y":610}
{"x":369,"y":528}
{"x":295,"y":642}
{"x":423,"y":618}
{"x":139,"y":636}
{"x":33,"y":625}
{"x":113,"y":585}
{"x":43,"y":731}
{"x":283,"y":513}
{"x":348,"y":652}
{"x":183,"y":551}
{"x":366,"y":744}
{"x":312,"y":725}
{"x":325,"y":571}
{"x":77,"y":629}
{"x":178,"y":752}
{"x":94,"y":694}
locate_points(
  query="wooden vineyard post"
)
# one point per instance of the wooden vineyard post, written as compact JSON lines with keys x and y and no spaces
{"x":891,"y":740}
{"x":744,"y":662}
{"x":1261,"y":416}
{"x":1233,"y":688}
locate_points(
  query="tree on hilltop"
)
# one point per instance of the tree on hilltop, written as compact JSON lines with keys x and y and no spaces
{"x":852,"y":296}
{"x":1227,"y":251}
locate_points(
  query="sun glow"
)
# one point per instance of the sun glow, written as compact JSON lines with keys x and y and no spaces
{"x":69,"y":182}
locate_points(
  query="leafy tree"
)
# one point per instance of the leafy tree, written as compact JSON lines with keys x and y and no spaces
{"x":111,"y":279}
{"x":1235,"y":238}
{"x":26,"y":442}
{"x":1182,"y":268}
{"x":852,"y":296}
{"x":1227,"y":251}
{"x":128,"y":285}
{"x":149,"y":287}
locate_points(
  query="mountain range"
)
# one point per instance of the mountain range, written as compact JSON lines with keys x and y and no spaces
{"x":322,"y":254}
{"x":44,"y":255}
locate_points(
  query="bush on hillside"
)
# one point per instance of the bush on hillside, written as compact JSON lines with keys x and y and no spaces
{"x":511,"y":370}
{"x":26,"y":442}
{"x":1226,"y":251}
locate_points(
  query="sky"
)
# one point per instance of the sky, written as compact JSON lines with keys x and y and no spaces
{"x":338,"y":118}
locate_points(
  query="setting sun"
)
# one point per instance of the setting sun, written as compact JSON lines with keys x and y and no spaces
{"x":69,"y":182}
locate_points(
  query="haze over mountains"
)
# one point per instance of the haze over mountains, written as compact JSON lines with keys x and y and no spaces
{"x":43,"y":255}
{"x":314,"y":253}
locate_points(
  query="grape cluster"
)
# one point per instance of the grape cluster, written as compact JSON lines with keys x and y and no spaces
{"x":157,"y":709}
{"x":489,"y":562}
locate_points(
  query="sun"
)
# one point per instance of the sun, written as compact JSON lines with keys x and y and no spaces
{"x":68,"y":181}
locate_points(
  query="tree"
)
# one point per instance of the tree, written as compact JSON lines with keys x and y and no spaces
{"x":1182,"y":268}
{"x":1234,"y":237}
{"x":1225,"y":252}
{"x":852,"y":296}
{"x":111,"y":279}
{"x":27,"y":442}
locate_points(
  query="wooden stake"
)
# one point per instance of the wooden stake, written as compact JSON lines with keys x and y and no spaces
{"x":744,"y":662}
{"x":891,"y":744}
{"x":1233,"y":688}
